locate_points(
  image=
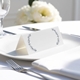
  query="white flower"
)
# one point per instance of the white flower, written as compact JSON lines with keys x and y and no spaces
{"x":40,"y":11}
{"x":43,"y":12}
{"x":23,"y":15}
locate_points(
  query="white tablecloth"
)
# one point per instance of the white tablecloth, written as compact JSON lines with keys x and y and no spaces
{"x":69,"y":27}
{"x":7,"y":74}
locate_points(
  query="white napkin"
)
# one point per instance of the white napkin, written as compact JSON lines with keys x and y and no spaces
{"x":66,"y":63}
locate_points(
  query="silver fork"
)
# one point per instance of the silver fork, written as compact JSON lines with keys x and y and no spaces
{"x":19,"y":68}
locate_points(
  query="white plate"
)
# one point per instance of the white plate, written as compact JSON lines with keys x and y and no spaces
{"x":69,"y":43}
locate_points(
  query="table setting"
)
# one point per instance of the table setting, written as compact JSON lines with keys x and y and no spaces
{"x":39,"y":48}
{"x":71,"y":42}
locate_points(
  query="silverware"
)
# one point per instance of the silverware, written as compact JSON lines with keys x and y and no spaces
{"x":30,"y":28}
{"x":19,"y":68}
{"x":9,"y":32}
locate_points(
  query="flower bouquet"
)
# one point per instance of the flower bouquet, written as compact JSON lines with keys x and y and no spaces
{"x":37,"y":12}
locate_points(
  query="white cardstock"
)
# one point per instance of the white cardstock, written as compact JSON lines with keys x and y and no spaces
{"x":39,"y":41}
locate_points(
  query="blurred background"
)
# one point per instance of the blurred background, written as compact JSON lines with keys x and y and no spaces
{"x":68,"y":9}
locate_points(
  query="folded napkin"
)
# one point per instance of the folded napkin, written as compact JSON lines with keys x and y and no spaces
{"x":65,"y":63}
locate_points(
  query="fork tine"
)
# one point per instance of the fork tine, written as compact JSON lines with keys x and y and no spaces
{"x":12,"y":64}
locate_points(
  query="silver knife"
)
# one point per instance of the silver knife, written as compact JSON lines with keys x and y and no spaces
{"x":9,"y":32}
{"x":30,"y":28}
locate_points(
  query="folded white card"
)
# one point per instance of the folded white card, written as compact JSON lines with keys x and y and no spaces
{"x":65,"y":63}
{"x":39,"y":41}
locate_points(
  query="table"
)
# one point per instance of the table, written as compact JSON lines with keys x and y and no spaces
{"x":69,"y":27}
{"x":7,"y":74}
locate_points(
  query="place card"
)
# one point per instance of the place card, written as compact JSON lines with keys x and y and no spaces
{"x":39,"y":41}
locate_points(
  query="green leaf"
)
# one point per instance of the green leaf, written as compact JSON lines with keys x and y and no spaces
{"x":31,"y":1}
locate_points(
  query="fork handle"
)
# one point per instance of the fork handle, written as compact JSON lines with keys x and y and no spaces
{"x":41,"y":76}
